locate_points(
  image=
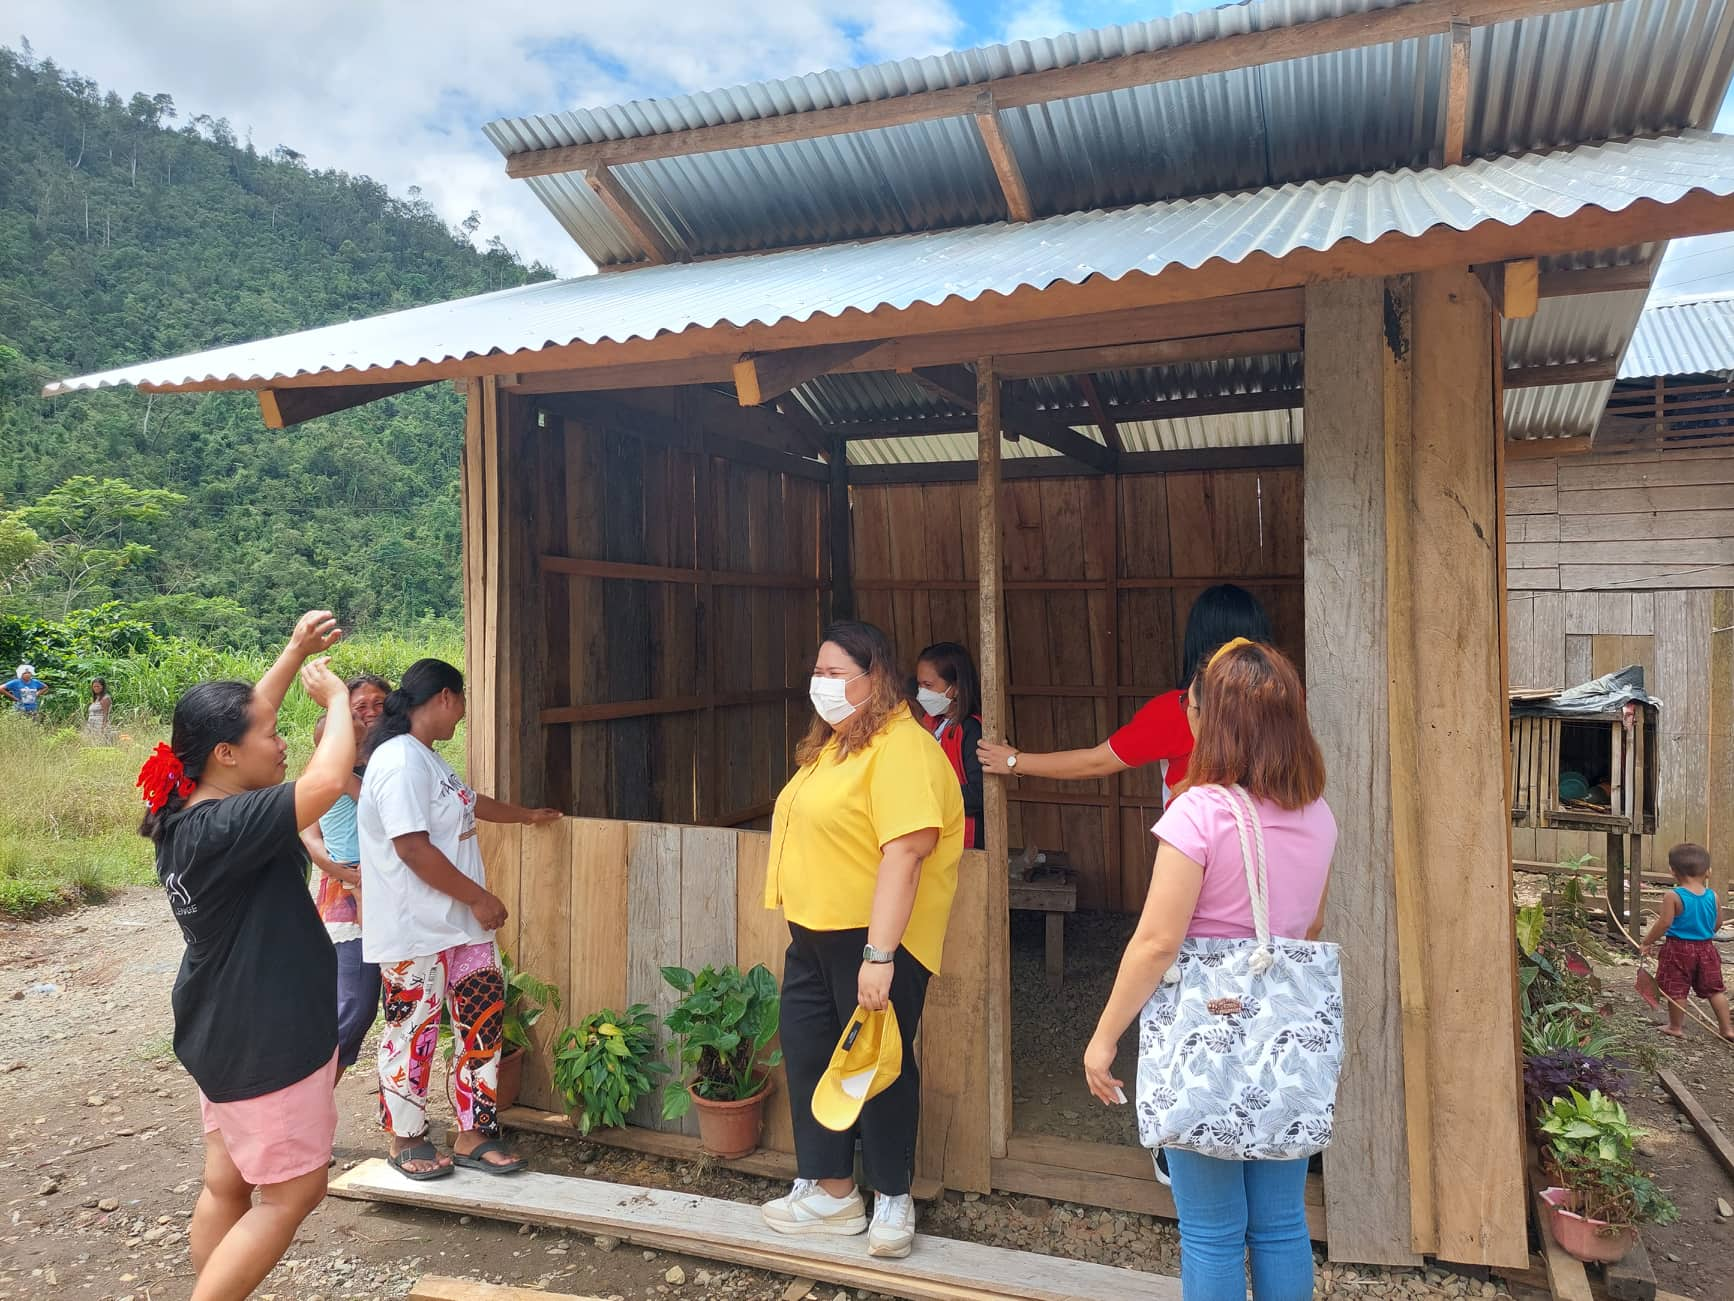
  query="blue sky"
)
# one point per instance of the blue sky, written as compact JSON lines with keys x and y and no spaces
{"x":399,"y":89}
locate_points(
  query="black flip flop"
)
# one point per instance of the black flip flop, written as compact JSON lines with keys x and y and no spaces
{"x":422,"y":1151}
{"x":477,"y":1159}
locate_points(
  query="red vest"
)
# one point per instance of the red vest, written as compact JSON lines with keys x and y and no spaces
{"x":951,"y":741}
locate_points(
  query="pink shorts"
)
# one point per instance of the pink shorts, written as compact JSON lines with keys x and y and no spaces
{"x":279,"y":1136}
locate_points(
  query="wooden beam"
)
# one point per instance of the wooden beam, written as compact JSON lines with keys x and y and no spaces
{"x":618,"y":709}
{"x":1522,"y":289}
{"x":1456,"y":94}
{"x":1571,"y":372}
{"x":649,"y":414}
{"x":1059,"y":467}
{"x":438,"y":1287}
{"x":1151,"y":67}
{"x":1598,"y":280}
{"x":1540,"y":449}
{"x":1004,"y":160}
{"x":1050,"y":429}
{"x":990,"y":546}
{"x":840,"y":538}
{"x":1047,"y":310}
{"x":627,"y":211}
{"x":1162,"y":352}
{"x":1104,"y":422}
{"x":1707,"y":1128}
{"x":281,"y":408}
{"x":1171,"y":409}
{"x":575,"y":567}
{"x":759,"y":377}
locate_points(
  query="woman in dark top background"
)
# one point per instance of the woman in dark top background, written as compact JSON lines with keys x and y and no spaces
{"x":255,"y":1001}
{"x":949,"y":693}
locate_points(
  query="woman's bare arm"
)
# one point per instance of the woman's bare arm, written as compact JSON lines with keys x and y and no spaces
{"x":1059,"y":765}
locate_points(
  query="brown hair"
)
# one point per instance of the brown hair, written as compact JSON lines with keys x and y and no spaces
{"x":1689,"y":860}
{"x":866,"y":645}
{"x":1252,"y":728}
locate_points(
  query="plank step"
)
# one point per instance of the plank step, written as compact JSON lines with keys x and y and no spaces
{"x":939,"y":1269}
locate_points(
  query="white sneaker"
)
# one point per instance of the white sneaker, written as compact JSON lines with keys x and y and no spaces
{"x":808,"y":1208}
{"x":893,"y":1231}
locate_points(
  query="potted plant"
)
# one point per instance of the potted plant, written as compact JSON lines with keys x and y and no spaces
{"x":605,"y":1064}
{"x":725,"y":1021}
{"x":527,"y":997}
{"x":1601,"y":1197}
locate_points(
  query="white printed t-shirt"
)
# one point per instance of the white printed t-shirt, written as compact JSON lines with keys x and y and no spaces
{"x":409,"y":788}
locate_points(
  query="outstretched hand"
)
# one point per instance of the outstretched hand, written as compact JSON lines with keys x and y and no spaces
{"x":315,"y":632}
{"x":323,"y":685}
{"x":537,"y":817}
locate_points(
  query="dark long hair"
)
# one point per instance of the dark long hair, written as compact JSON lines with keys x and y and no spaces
{"x":1219,"y":615}
{"x":370,"y":680}
{"x":954,"y":666}
{"x":206,"y":716}
{"x":867,"y":646}
{"x":422,"y":681}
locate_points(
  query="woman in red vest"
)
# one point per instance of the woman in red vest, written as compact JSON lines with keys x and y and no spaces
{"x":950,"y":696}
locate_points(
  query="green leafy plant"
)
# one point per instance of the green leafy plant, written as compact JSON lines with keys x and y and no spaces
{"x":527,"y":998}
{"x":1614,"y":1192}
{"x":725,"y":1021}
{"x":605,"y":1064}
{"x":1579,"y":1125}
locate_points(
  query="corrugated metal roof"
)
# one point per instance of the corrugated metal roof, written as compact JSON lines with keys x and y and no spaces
{"x":1595,"y":73}
{"x":897,"y":273}
{"x":1689,"y":336}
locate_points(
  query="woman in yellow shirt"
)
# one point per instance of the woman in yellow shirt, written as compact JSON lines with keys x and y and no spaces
{"x":865,"y":844}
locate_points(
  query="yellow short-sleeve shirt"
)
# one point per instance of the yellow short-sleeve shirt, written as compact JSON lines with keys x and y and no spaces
{"x":834,"y":819}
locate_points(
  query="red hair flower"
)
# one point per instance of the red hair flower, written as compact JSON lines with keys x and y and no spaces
{"x":163,"y":775}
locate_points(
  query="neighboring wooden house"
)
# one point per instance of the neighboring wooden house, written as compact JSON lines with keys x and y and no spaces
{"x":1137,"y":263}
{"x":1622,"y":552}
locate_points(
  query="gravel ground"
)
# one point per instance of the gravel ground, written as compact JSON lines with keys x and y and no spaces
{"x":100,"y":1155}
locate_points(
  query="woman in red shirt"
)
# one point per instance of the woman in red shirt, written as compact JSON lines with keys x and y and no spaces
{"x":1158,"y":732}
{"x":949,"y":694}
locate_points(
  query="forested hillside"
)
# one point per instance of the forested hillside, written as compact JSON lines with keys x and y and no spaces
{"x":129,"y":231}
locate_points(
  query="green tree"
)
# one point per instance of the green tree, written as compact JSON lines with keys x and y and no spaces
{"x":90,"y":538}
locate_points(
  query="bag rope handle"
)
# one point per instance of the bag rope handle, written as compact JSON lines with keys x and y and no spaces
{"x":1252,"y":856}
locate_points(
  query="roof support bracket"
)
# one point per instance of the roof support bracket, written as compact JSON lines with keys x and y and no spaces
{"x":629,"y":213}
{"x":1005,"y":162}
{"x":1455,"y":99}
{"x":761,"y":376}
{"x":283,"y":407}
{"x":956,"y":384}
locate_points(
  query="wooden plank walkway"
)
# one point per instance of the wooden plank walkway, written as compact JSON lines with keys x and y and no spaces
{"x":939,"y":1269}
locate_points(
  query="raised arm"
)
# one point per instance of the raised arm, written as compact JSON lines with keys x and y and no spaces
{"x":330,"y":768}
{"x":315,"y":633}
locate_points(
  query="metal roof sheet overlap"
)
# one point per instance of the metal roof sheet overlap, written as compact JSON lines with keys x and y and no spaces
{"x":1688,"y":336}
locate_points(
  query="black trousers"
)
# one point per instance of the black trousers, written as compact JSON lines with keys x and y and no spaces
{"x":819,"y":987}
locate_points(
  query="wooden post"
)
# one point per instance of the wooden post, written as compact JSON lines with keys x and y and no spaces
{"x":842,"y":566}
{"x":1720,"y":801}
{"x":1357,"y":380}
{"x":989,"y":544}
{"x":478,"y":646}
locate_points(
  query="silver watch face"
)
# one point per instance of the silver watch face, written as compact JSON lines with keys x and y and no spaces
{"x":1011,"y":761}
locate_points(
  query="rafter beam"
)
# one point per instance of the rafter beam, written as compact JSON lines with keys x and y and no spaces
{"x":1540,"y":449}
{"x":761,"y":376}
{"x":1016,"y":412}
{"x":629,"y":213}
{"x":1571,"y":372}
{"x":1005,"y":162}
{"x":1456,"y":94}
{"x":1598,"y":280}
{"x":1110,"y":431}
{"x":1200,"y":58}
{"x":1159,"y":352}
{"x":283,"y":407}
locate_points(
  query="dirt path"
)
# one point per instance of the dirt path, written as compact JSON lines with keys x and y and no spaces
{"x":100,"y":1159}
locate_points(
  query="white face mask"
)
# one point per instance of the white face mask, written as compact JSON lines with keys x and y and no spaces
{"x":830,"y":698}
{"x":935,"y":703}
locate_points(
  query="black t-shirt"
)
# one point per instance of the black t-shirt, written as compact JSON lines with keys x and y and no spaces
{"x":256,"y":999}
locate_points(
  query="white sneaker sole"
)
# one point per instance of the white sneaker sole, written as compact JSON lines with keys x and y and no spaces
{"x":893,"y":1251}
{"x":824,"y":1228}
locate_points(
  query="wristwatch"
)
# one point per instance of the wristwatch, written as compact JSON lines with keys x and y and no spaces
{"x":871,"y":954}
{"x":1011,"y":761}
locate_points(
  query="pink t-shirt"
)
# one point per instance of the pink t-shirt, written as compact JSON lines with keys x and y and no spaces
{"x":1297,"y":848}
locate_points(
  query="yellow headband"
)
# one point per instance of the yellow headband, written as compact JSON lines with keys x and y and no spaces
{"x":1226,"y":647}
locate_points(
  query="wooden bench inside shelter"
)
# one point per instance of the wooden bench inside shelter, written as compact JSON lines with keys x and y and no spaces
{"x":1043,"y":881}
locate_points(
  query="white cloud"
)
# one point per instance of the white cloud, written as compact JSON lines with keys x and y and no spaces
{"x":399,"y":91}
{"x":1038,"y":18}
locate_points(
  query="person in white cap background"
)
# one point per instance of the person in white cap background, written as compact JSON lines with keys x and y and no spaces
{"x":865,"y":844}
{"x":25,"y":690}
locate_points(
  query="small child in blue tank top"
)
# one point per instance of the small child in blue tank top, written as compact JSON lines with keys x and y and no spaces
{"x":1690,"y":963}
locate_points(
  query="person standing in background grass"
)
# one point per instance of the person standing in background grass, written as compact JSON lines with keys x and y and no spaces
{"x":255,"y":1001}
{"x":335,"y":849}
{"x":25,"y":690}
{"x":96,"y":719}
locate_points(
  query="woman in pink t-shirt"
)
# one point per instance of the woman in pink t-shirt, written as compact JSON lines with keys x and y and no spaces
{"x":1248,"y":711}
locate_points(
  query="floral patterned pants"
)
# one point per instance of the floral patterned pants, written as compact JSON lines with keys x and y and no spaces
{"x":469,"y":978}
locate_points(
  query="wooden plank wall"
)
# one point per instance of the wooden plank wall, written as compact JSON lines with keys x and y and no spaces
{"x":695,"y":895}
{"x":698,"y":635}
{"x":1100,"y":573}
{"x":1620,"y":559}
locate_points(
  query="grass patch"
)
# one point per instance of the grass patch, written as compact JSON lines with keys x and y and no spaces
{"x":155,"y":1050}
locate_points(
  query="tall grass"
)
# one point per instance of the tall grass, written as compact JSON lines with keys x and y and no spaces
{"x":69,"y":823}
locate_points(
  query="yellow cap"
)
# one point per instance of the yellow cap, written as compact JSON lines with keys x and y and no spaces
{"x":867,"y":1060}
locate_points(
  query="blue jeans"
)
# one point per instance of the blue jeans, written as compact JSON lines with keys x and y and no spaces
{"x":1228,"y":1207}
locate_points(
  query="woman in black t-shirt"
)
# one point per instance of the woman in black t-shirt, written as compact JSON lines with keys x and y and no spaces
{"x":255,"y":1001}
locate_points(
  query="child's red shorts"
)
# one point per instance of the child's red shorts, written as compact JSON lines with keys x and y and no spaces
{"x":1689,"y":966}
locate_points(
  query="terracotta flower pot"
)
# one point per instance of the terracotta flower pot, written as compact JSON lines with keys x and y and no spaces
{"x":731,"y":1129}
{"x":509,"y":1080}
{"x":1589,"y":1240}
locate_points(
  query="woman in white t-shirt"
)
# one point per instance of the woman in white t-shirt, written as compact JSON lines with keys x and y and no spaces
{"x":429,"y":924}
